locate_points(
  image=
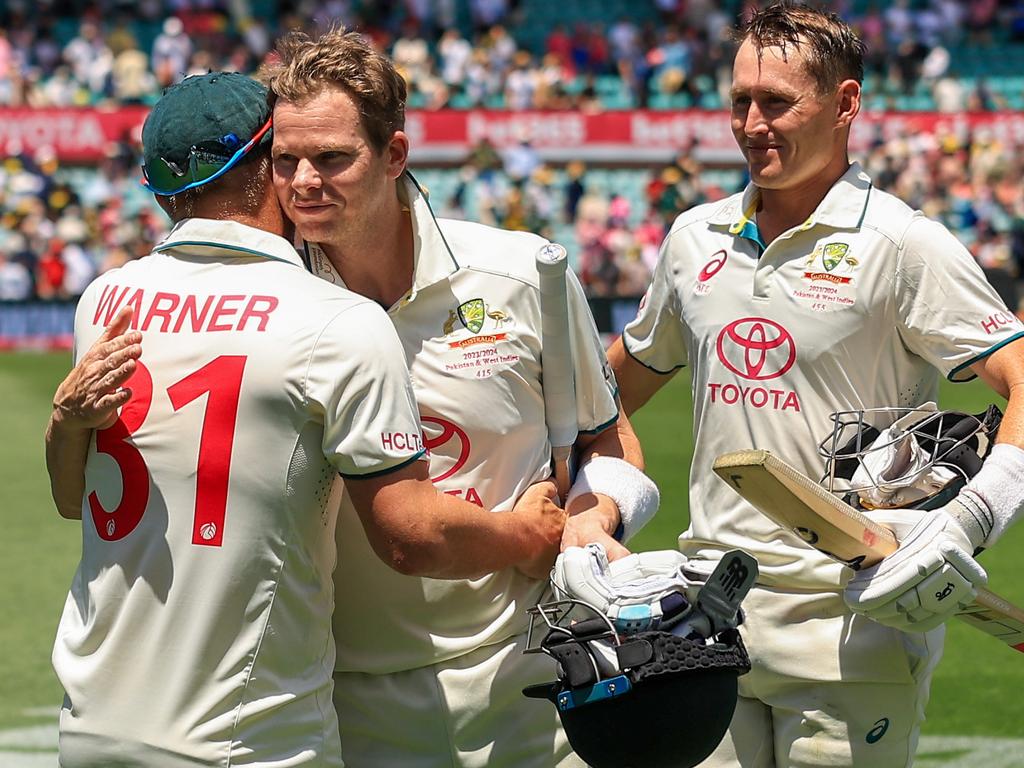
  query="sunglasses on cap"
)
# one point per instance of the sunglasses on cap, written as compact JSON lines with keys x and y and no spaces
{"x":164,"y":177}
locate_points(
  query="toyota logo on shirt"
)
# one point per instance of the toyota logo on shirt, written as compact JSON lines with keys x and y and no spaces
{"x":437,"y":444}
{"x":755,"y":348}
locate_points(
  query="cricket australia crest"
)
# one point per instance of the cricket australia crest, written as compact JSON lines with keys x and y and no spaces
{"x":471,"y":313}
{"x":832,"y":254}
{"x":832,"y":263}
{"x":489,"y":347}
{"x":828,"y":278}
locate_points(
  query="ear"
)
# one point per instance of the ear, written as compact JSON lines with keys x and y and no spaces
{"x":847,"y":103}
{"x":397,"y":154}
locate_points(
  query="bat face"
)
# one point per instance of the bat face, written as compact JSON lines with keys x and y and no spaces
{"x":812,"y":538}
{"x":799,"y":504}
{"x":796,"y":502}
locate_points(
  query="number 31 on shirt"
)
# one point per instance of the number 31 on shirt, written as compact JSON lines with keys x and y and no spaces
{"x":222,"y":379}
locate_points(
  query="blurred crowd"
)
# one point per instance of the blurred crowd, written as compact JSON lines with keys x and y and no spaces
{"x":60,"y":227}
{"x":469,"y":53}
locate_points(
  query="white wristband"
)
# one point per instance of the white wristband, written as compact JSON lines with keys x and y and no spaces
{"x":634,"y":492}
{"x":994,"y":497}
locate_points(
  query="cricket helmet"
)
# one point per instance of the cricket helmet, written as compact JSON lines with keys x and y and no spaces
{"x":907,"y":458}
{"x":647,"y":666}
{"x":648,"y":700}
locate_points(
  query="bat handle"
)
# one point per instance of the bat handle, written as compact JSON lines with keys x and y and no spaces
{"x":560,"y":458}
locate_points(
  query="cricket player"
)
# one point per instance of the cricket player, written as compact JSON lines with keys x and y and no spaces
{"x":430,"y":673}
{"x":812,"y":292}
{"x":197,"y":629}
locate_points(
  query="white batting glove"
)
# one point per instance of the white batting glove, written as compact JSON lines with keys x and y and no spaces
{"x":641,"y":592}
{"x":923,"y":583}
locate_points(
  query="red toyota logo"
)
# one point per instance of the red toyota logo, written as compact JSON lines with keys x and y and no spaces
{"x":448,"y":431}
{"x":712,"y":268}
{"x":756,"y":348}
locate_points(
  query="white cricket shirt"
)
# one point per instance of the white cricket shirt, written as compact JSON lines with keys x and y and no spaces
{"x":470,"y":326}
{"x":198,"y":623}
{"x":862,"y":306}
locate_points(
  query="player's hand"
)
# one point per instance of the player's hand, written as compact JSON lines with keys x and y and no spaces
{"x":543,"y":521}
{"x":92,"y":392}
{"x":923,"y":583}
{"x":593,"y":518}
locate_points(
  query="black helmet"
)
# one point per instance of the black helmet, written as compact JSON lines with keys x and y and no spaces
{"x":646,"y":700}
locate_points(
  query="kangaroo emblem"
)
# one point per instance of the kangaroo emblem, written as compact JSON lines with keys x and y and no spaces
{"x":449,"y":324}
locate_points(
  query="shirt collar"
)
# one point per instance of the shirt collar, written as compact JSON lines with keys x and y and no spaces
{"x":842,"y":207}
{"x":219,"y":238}
{"x":433,"y":259}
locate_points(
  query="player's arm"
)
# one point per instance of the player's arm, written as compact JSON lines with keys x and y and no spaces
{"x":611,"y":498}
{"x":360,"y":383}
{"x":596,"y":517}
{"x":994,"y":498}
{"x":934,"y":573}
{"x":1003,"y":371}
{"x":637,"y":382}
{"x":419,"y":531}
{"x":653,"y":346}
{"x":88,"y":399}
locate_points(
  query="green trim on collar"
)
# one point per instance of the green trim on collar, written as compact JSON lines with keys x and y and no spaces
{"x":867,"y":199}
{"x":749,"y":231}
{"x":166,"y":246}
{"x":746,"y":227}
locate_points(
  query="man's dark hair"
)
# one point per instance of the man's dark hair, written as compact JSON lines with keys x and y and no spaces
{"x":832,"y":52}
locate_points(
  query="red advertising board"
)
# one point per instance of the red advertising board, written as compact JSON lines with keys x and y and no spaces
{"x":80,"y":135}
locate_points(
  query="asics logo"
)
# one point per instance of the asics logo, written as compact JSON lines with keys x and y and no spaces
{"x":877,"y":731}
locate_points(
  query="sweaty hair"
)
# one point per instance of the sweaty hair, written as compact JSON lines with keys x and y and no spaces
{"x":831,"y":51}
{"x":308,"y":65}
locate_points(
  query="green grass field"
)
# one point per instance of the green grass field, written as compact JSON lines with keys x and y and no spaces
{"x":974,"y":688}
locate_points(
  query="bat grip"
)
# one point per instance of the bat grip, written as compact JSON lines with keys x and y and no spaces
{"x":563,"y":480}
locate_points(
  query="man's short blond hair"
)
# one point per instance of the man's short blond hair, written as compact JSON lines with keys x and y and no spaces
{"x":831,"y":50}
{"x":306,"y":65}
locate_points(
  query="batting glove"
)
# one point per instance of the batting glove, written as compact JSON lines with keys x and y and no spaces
{"x":641,"y":592}
{"x":927,"y":580}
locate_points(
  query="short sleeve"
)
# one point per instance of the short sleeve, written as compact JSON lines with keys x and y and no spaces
{"x":89,"y":321}
{"x":596,"y":389}
{"x":656,"y":337}
{"x":947,"y":311}
{"x":358,"y":377}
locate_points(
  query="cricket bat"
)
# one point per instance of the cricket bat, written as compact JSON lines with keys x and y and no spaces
{"x":557,"y":366}
{"x":798,"y":503}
